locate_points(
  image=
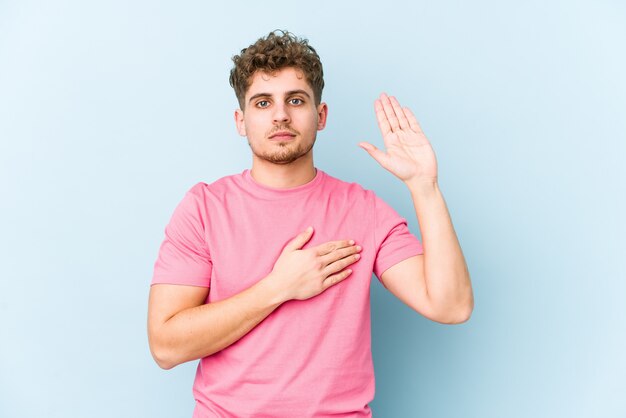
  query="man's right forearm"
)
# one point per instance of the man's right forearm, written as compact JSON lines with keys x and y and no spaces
{"x":181,"y":327}
{"x":203,"y":330}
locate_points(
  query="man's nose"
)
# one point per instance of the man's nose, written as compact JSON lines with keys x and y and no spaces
{"x":281,"y":113}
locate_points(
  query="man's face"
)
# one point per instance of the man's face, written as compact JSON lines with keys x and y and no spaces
{"x":280,"y":118}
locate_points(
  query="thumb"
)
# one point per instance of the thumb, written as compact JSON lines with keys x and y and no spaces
{"x":376,"y":154}
{"x":300,"y":239}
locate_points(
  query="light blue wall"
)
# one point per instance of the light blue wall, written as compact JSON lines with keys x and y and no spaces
{"x":110,"y":111}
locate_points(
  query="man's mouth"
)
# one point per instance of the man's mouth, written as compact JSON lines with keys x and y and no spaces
{"x":282,"y":136}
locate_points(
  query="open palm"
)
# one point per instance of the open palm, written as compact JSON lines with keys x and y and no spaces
{"x":409,"y":155}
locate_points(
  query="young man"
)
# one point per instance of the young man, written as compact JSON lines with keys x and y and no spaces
{"x":265,"y":275}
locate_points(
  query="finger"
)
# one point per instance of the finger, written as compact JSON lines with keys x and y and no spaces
{"x":381,"y":157}
{"x":402,"y":120}
{"x":300,"y":239}
{"x":340,"y":264}
{"x":413,"y":123}
{"x":331,"y":246}
{"x":339,"y":254}
{"x":381,"y":117}
{"x":391,"y":115}
{"x":335,"y":278}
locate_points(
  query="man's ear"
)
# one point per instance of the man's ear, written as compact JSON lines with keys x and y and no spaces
{"x":241,"y":125}
{"x":322,"y":114}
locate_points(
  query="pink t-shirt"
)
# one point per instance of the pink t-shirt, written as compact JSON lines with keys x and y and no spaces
{"x":308,"y":358}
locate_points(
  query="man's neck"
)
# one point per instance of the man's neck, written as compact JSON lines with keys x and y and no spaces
{"x":284,"y":176}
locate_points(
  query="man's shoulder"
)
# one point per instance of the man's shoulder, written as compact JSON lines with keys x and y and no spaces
{"x":220,"y":185}
{"x":349,"y":188}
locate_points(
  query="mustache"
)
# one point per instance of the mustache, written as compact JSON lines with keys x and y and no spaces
{"x":283,"y":128}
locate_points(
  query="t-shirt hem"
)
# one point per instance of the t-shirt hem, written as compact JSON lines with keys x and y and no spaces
{"x":177,"y":282}
{"x":397,"y":258}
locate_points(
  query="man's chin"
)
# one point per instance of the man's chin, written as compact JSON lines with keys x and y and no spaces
{"x":283,"y":158}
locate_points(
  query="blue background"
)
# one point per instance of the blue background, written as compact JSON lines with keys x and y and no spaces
{"x":110,"y":111}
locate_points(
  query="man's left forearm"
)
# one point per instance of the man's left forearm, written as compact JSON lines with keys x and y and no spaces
{"x":447,"y":277}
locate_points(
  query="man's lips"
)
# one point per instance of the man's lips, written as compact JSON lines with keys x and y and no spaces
{"x":282,"y":135}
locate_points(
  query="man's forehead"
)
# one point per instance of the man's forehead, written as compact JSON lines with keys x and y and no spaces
{"x":285,"y":79}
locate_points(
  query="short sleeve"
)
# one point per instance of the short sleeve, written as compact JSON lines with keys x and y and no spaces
{"x":393,"y":240}
{"x":184,"y":255}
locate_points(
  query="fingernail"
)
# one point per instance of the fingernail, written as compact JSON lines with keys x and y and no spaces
{"x":351,"y":242}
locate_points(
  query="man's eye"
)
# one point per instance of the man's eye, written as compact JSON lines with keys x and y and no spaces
{"x":296,"y":101}
{"x":263,"y":103}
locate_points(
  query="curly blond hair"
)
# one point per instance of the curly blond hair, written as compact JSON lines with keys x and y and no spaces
{"x":278,"y":50}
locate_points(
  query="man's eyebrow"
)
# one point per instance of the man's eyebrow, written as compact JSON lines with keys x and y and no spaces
{"x":289,"y":93}
{"x":299,"y":91}
{"x":256,"y":96}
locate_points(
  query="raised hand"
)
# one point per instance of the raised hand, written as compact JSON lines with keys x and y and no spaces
{"x":409,"y":155}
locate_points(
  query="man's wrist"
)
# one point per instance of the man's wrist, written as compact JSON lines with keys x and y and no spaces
{"x":276,"y":296}
{"x":423,"y":188}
